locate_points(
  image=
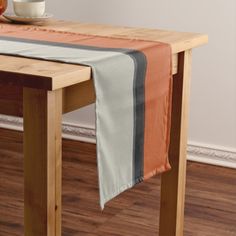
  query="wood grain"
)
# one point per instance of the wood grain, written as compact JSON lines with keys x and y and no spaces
{"x":42,"y":162}
{"x":53,"y":75}
{"x":210,"y":197}
{"x":41,"y":74}
{"x":11,"y":95}
{"x":73,"y":97}
{"x":77,"y":96}
{"x":173,"y":182}
{"x":11,"y":98}
{"x":47,"y":75}
{"x":179,"y":41}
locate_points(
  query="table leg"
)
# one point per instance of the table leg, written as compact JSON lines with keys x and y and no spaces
{"x":173,"y":182}
{"x":42,"y":162}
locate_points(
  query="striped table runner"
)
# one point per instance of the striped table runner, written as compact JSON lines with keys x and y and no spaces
{"x":133,"y":81}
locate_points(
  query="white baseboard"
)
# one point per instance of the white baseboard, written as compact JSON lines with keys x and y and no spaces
{"x":212,"y":155}
{"x":208,"y":154}
{"x":69,"y":130}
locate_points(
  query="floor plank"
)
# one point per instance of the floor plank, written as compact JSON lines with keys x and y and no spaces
{"x":210,"y":199}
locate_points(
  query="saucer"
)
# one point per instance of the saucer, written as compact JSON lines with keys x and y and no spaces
{"x":20,"y":19}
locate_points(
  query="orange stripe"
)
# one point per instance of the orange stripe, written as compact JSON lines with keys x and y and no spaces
{"x":157,"y":110}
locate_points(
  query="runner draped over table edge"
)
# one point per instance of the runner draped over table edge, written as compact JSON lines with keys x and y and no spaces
{"x":133,"y":85}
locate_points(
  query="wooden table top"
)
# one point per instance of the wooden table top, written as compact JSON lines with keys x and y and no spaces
{"x":54,"y":75}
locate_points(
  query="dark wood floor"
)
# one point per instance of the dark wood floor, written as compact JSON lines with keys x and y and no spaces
{"x":210,"y":203}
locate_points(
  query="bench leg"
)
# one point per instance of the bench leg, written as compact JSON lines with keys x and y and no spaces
{"x":173,"y":182}
{"x":42,"y":162}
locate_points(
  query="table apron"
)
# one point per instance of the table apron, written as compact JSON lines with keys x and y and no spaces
{"x":74,"y":96}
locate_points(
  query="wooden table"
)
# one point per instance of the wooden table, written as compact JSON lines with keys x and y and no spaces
{"x":41,"y":91}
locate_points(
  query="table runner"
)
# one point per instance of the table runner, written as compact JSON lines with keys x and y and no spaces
{"x":133,"y":83}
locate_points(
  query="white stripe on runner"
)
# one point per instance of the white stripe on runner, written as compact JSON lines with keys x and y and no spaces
{"x":113,"y":77}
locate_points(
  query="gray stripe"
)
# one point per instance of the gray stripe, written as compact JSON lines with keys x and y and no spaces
{"x":139,"y":115}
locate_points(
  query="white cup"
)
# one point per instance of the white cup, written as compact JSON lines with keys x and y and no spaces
{"x":29,"y":8}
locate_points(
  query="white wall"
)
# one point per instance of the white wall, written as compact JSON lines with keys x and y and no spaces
{"x":213,"y":90}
